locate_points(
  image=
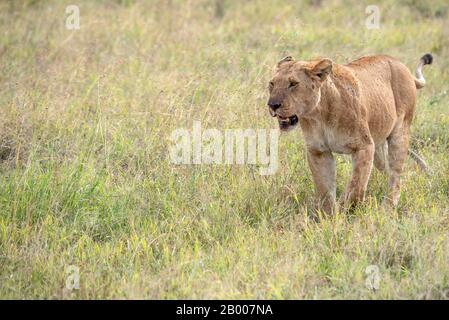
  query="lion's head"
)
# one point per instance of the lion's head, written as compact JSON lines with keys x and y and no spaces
{"x":295,"y":89}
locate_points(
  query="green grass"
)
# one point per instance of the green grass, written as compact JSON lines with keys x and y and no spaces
{"x":85,"y":177}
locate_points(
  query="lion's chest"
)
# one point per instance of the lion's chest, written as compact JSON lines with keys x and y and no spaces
{"x":325,"y":139}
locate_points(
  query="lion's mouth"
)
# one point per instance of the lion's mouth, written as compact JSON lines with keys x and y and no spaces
{"x":286,"y":123}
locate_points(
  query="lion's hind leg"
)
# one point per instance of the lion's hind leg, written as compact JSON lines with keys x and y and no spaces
{"x":381,"y":157}
{"x":397,"y":154}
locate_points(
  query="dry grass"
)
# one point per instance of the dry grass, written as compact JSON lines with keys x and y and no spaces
{"x":85,"y":178}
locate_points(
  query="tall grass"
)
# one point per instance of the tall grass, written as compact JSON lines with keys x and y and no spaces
{"x":85,"y":178}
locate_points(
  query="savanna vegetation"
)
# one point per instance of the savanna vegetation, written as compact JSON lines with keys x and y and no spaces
{"x":86,"y":179}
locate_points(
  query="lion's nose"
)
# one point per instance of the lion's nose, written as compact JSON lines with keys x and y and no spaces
{"x":274,"y":105}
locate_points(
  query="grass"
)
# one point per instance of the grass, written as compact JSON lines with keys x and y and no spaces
{"x":85,"y":178}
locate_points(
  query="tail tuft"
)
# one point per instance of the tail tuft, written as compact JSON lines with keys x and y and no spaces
{"x":419,"y":78}
{"x":427,"y":58}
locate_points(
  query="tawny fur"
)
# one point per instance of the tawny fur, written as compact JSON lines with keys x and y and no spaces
{"x":363,"y":109}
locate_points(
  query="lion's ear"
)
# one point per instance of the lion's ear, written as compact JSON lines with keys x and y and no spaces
{"x":284,"y":60}
{"x":322,"y":69}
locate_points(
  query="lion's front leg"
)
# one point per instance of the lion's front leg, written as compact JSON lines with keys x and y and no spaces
{"x":362,"y":163}
{"x":322,"y":165}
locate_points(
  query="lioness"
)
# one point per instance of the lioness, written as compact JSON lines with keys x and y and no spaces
{"x":363,"y":108}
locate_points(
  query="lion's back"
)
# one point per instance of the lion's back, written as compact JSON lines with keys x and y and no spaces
{"x":387,"y":88}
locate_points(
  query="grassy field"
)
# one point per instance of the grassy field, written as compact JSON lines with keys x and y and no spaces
{"x":86,"y":179}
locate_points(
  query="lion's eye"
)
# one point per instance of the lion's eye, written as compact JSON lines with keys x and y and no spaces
{"x":271,"y":84}
{"x":293,"y":84}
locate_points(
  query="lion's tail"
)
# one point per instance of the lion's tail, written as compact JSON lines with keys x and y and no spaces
{"x":418,"y":159}
{"x":419,"y":78}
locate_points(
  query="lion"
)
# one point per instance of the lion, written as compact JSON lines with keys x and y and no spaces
{"x":363,"y":109}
